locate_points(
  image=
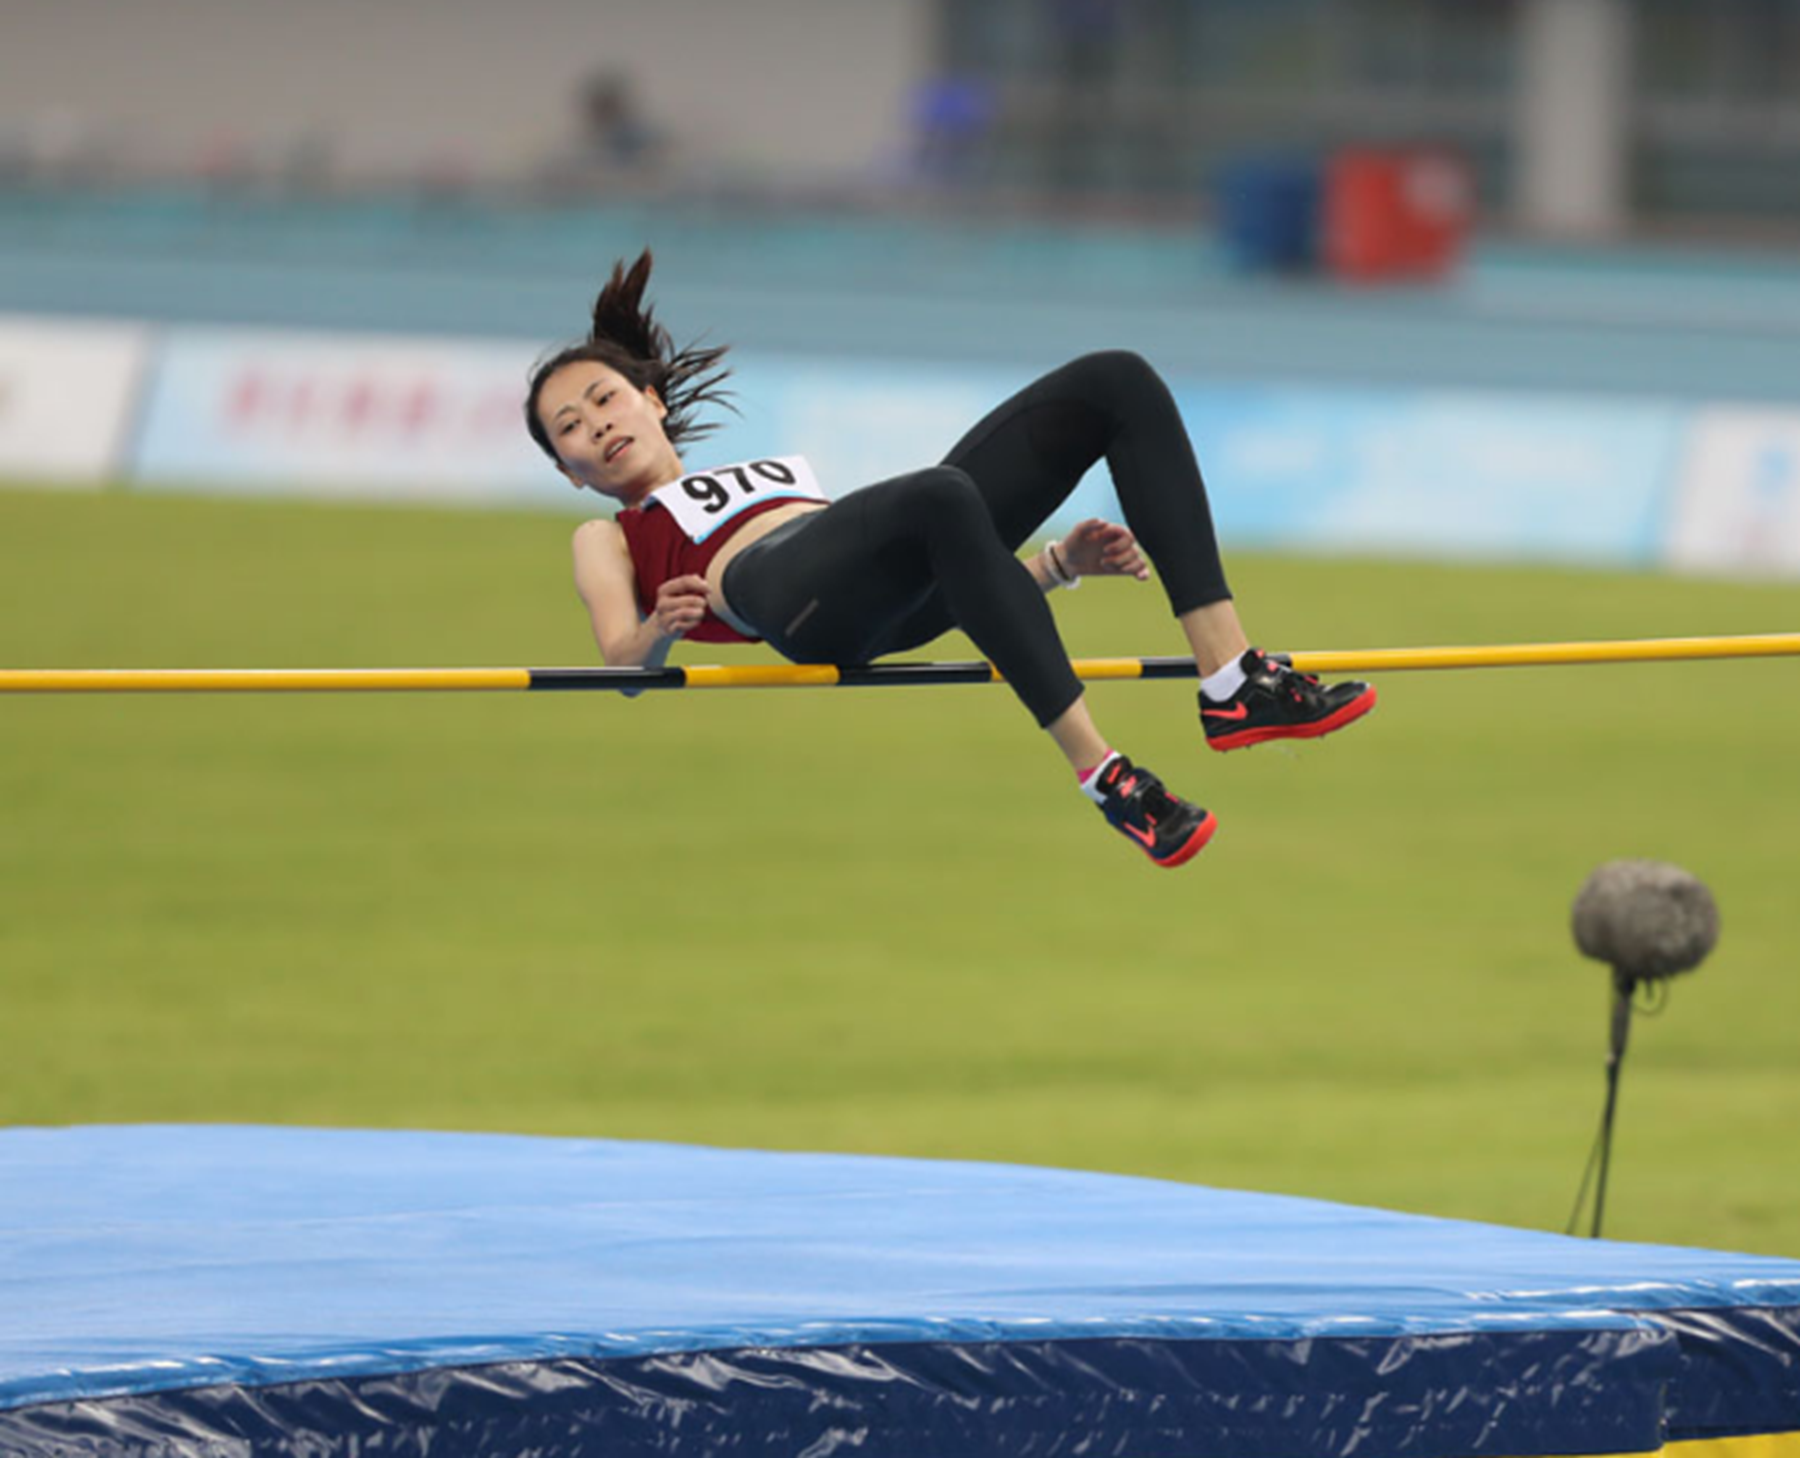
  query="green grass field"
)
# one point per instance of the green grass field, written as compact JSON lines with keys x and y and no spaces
{"x":883,"y":920}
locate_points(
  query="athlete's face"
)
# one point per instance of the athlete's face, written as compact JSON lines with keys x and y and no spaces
{"x":608,"y":433}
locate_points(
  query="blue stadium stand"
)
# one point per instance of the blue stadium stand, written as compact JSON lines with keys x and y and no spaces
{"x":230,"y":1290}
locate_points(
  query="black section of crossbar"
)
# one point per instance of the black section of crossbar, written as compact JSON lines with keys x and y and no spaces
{"x":607,"y":678}
{"x":879,"y":675}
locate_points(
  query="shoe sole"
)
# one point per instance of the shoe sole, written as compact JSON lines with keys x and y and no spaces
{"x":1244,"y":738}
{"x":1192,"y":846}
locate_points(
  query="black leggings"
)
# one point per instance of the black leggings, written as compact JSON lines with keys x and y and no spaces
{"x":893,"y":565}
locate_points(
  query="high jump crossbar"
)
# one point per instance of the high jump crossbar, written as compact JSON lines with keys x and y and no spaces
{"x":787,"y":675}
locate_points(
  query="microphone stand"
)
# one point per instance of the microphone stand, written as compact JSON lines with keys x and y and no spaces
{"x":1623,"y":987}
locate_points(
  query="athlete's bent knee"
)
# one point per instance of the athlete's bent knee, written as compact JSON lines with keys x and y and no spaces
{"x":946,"y":493}
{"x":1124,"y":370}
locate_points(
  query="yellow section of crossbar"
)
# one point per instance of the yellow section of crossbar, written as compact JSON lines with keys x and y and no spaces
{"x":763,"y":675}
{"x":1544,"y":655}
{"x":257,"y":680}
{"x":1095,"y":669}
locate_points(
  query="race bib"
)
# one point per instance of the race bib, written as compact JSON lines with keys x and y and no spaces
{"x":704,"y":501}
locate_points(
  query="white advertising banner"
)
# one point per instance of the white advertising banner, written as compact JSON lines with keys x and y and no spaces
{"x":1428,"y":472}
{"x":249,"y":411}
{"x":66,"y":396}
{"x":1737,"y":502}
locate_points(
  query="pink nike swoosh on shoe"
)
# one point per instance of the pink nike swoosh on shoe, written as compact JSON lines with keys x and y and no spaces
{"x":1348,"y":714}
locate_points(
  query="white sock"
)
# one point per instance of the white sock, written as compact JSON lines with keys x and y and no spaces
{"x":1222,"y":684}
{"x":1090,"y":782}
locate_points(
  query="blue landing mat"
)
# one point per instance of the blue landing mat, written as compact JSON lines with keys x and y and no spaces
{"x":324,"y":1292}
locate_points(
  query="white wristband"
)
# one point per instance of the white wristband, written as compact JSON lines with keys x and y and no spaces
{"x":1060,"y":575}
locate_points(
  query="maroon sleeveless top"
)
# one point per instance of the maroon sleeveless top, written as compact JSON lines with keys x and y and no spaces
{"x":661,"y":550}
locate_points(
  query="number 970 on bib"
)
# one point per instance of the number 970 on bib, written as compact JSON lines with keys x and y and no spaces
{"x":704,"y":501}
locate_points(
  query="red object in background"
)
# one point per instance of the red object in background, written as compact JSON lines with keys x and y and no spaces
{"x":1395,"y":212}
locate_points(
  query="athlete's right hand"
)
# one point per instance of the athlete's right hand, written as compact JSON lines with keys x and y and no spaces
{"x":680,"y":604}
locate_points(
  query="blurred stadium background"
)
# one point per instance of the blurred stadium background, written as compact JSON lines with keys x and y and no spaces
{"x":1486,"y":318}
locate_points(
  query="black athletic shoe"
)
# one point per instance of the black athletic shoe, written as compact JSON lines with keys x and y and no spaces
{"x":1275,"y":702}
{"x":1165,"y":828}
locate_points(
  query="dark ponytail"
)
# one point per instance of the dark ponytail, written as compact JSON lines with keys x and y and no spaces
{"x":626,"y":337}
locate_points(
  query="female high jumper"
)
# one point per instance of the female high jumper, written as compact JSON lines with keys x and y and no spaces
{"x":755,"y":550}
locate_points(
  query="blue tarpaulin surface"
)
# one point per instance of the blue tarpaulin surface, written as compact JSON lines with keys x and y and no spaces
{"x":327,"y":1291}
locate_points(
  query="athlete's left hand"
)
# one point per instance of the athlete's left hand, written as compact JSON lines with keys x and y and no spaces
{"x":1095,"y":548}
